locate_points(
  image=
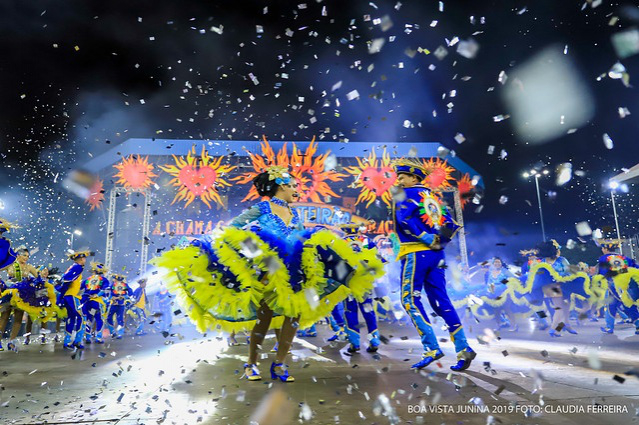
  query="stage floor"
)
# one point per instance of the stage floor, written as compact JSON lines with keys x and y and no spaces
{"x":525,"y":377}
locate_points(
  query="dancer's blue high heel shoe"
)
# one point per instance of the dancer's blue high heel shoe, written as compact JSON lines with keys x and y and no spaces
{"x":280,"y":371}
{"x":554,"y":333}
{"x":251,"y":372}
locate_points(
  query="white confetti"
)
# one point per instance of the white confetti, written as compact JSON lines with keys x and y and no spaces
{"x":502,"y":77}
{"x":440,"y":53}
{"x":623,"y":112}
{"x":608,"y":141}
{"x":563,"y":173}
{"x":376,"y":45}
{"x":583,"y":228}
{"x":468,"y":49}
{"x":352,"y":95}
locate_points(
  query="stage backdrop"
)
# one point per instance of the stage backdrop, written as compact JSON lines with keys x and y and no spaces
{"x":194,"y":186}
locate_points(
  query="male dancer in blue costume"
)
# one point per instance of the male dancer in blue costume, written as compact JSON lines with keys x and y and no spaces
{"x":93,"y":304}
{"x":163,"y":301}
{"x":120,"y":294}
{"x":69,"y":289}
{"x":422,"y":257}
{"x":367,"y":307}
{"x":611,"y":263}
{"x":139,"y":306}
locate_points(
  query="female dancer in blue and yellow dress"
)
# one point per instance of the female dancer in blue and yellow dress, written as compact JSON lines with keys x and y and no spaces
{"x":550,"y":283}
{"x":496,"y":280}
{"x":553,"y":288}
{"x":618,"y":276}
{"x":34,"y":296}
{"x":265,"y":271}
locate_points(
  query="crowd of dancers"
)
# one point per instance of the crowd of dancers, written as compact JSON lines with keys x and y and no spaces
{"x":267,"y":271}
{"x":554,"y":293}
{"x":84,"y":301}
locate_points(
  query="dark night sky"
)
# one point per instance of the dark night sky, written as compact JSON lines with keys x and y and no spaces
{"x":161,"y":68}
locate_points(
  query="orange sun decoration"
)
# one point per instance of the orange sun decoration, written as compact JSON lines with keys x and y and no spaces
{"x":374,"y":177}
{"x":135,"y":173}
{"x":96,"y":195}
{"x":439,"y":173}
{"x":465,"y":187}
{"x":198,"y":177}
{"x":307,"y":169}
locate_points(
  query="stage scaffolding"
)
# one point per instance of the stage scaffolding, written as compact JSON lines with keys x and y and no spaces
{"x":111,"y":222}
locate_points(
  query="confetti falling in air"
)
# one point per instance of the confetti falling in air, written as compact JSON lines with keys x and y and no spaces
{"x":608,"y":141}
{"x":220,"y":76}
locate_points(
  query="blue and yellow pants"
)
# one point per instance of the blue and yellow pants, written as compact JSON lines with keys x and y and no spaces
{"x":352,"y":318}
{"x":616,"y":306}
{"x":116,"y":310}
{"x":424,"y":271}
{"x":140,"y":316}
{"x":94,"y":312}
{"x":75,"y":319}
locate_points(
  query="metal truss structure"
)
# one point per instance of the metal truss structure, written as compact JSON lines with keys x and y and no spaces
{"x":146,"y":226}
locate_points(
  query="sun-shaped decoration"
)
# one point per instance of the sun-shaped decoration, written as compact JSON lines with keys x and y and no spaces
{"x":617,"y":263}
{"x":374,"y":177}
{"x":432,"y":211}
{"x":135,"y":173}
{"x":198,"y":177}
{"x":439,"y":173}
{"x":96,"y":195}
{"x":307,"y":169}
{"x":465,"y":188}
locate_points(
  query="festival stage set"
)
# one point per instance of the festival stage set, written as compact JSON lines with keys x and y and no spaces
{"x":156,"y":192}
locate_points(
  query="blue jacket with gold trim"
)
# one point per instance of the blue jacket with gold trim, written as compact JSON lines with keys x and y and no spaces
{"x":421,"y":222}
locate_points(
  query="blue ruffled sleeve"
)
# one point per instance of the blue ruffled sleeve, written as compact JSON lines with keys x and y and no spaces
{"x":247,"y":216}
{"x":561,"y":265}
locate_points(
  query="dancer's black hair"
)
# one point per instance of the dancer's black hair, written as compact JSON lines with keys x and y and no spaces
{"x":265,"y":186}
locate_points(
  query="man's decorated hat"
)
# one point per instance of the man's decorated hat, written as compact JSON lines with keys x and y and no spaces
{"x":80,"y":254}
{"x":410,"y":166}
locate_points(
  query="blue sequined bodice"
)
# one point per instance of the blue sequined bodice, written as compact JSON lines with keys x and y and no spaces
{"x":272,"y":222}
{"x":499,"y":279}
{"x":560,"y":265}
